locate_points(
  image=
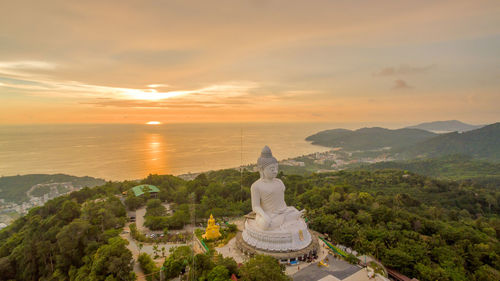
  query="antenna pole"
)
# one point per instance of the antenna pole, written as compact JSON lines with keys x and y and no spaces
{"x":241,"y":163}
{"x":193,"y":223}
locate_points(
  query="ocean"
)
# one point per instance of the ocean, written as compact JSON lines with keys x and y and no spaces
{"x":128,"y":152}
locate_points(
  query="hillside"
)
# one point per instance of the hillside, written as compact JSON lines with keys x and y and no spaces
{"x":445,"y":126}
{"x":412,"y":223}
{"x":369,"y":138}
{"x":483,"y":143}
{"x":13,"y":188}
{"x":453,"y":167}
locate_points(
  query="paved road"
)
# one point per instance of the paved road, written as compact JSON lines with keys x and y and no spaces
{"x":139,"y":219}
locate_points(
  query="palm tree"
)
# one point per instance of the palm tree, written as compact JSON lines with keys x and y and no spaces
{"x":140,"y":247}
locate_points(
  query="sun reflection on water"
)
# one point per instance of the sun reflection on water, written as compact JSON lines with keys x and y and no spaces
{"x":156,"y":158}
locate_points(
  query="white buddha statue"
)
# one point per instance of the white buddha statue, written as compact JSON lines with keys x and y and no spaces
{"x":276,"y":227}
{"x":268,"y":195}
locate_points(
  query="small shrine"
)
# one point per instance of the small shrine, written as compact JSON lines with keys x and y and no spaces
{"x":212,"y":231}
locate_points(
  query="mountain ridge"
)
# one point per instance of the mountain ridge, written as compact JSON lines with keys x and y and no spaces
{"x":14,"y":188}
{"x":445,"y":126}
{"x":369,"y":138}
{"x":482,"y":143}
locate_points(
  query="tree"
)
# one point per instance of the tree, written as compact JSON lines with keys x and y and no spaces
{"x":218,"y":273}
{"x":112,"y":260}
{"x":156,"y":251}
{"x":133,"y":202}
{"x":263,"y":267}
{"x":485,"y":273}
{"x":228,"y":263}
{"x":72,"y":240}
{"x":176,"y":263}
{"x":7,"y":271}
{"x":204,"y":264}
{"x":69,"y":211}
{"x":147,"y":264}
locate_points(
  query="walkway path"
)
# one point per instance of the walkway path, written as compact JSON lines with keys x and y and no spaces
{"x":230,"y":250}
{"x":133,"y":245}
{"x":139,"y":219}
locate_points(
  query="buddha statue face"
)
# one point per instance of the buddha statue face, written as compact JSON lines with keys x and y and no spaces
{"x":270,"y":171}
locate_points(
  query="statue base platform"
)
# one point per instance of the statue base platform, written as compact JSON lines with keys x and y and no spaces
{"x":303,"y":254}
{"x":291,"y":236}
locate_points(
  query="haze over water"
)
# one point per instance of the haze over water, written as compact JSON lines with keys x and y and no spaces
{"x":119,"y":152}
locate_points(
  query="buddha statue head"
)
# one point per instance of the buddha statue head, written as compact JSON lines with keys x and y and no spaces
{"x":267,"y":164}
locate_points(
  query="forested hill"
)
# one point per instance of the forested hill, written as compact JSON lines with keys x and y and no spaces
{"x":14,"y":188}
{"x":369,"y":138}
{"x":446,"y":126}
{"x":72,"y":237}
{"x":453,"y":167}
{"x":480,"y":143}
{"x":426,"y":228}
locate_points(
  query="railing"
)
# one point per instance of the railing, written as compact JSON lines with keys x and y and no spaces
{"x":335,"y":249}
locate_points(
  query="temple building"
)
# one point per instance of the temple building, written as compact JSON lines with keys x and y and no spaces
{"x":139,"y":190}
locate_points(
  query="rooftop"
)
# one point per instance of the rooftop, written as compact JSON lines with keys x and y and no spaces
{"x":141,"y":189}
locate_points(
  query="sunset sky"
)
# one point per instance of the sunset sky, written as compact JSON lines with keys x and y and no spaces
{"x":256,"y":60}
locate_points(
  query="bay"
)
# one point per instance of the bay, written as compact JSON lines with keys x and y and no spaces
{"x":132,"y":151}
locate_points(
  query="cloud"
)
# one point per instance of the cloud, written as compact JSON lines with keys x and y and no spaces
{"x":217,"y":94}
{"x":178,"y":103}
{"x":158,"y":85}
{"x":403,"y":70}
{"x":23,"y":68}
{"x":401,"y":84}
{"x":74,"y":89}
{"x":27,"y":65}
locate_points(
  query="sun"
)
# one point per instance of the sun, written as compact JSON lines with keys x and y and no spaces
{"x":153,"y":123}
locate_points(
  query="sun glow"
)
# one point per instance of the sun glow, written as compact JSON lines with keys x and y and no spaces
{"x":153,"y":123}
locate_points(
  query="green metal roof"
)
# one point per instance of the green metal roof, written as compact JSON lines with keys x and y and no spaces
{"x":140,"y":189}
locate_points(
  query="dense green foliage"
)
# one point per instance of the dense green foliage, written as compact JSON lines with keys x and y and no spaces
{"x":14,"y":188}
{"x":177,"y":261}
{"x":155,"y":215}
{"x":40,"y":191}
{"x":218,"y":193}
{"x":426,"y":228}
{"x":72,"y":237}
{"x":369,"y":138}
{"x":148,"y":266}
{"x":263,"y":268}
{"x":206,"y":267}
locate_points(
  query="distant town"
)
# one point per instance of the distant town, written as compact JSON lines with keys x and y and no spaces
{"x":38,"y":195}
{"x":334,"y":160}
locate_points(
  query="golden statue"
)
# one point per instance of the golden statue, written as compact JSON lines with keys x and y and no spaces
{"x":212,"y":231}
